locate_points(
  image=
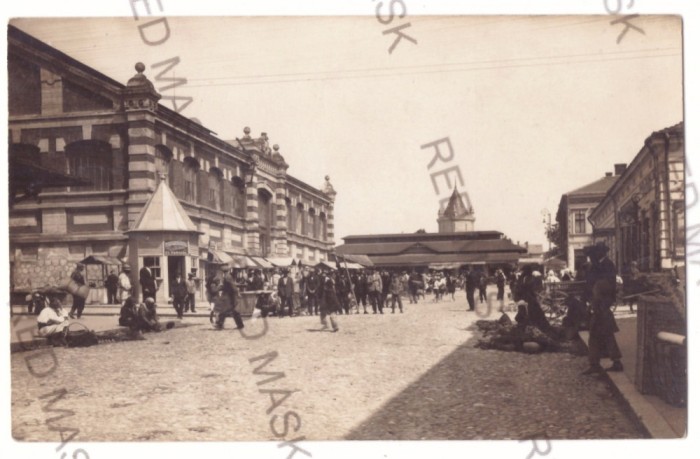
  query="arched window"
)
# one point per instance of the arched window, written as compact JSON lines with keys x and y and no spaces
{"x":300,"y":220}
{"x":265,"y":220}
{"x":91,"y":160}
{"x":164,"y":164}
{"x":290,"y":215}
{"x":191,"y":167}
{"x":215,"y":177}
{"x":239,"y":203}
{"x":324,"y":227}
{"x":312,"y":230}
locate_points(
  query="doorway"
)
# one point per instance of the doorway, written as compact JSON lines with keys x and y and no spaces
{"x":176,"y":265}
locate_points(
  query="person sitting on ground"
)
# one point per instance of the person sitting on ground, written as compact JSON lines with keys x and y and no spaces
{"x":147,"y":316}
{"x":53,"y":322}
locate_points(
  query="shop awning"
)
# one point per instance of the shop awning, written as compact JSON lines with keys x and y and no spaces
{"x":326,"y":264}
{"x":441,"y":266}
{"x":262,"y":263}
{"x":219,"y":257}
{"x":363,"y":260}
{"x":101,"y":260}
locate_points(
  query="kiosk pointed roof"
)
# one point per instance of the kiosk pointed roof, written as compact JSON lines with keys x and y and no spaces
{"x":163,"y":212}
{"x":455,"y":207}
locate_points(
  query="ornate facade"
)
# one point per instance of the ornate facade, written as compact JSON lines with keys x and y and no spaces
{"x":72,"y":119}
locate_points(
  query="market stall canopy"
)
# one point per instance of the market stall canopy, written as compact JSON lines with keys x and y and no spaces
{"x":554,"y":263}
{"x":219,"y":257}
{"x":326,"y":264}
{"x":441,"y":266}
{"x":101,"y":260}
{"x":282,"y":262}
{"x":530,"y":261}
{"x":262,"y":263}
{"x":356,"y":258}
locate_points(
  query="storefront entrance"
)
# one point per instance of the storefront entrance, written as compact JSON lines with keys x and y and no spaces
{"x":176,"y":265}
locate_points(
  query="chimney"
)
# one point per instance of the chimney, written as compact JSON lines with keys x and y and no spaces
{"x":608,"y":174}
{"x":620,"y":168}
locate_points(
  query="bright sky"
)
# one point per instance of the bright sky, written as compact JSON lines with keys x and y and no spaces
{"x":533,"y":106}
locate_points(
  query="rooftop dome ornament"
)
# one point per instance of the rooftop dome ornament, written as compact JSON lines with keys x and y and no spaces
{"x":139,"y":93}
{"x":327,"y":187}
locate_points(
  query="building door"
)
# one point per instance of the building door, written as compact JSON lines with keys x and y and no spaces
{"x":176,"y":265}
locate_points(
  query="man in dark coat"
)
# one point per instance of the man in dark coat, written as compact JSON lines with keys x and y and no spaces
{"x":500,"y":284}
{"x":359,"y":280}
{"x":148,"y":283}
{"x":78,"y":301}
{"x":179,"y":295}
{"x":329,"y":302}
{"x":601,"y":285}
{"x":312,"y":288}
{"x":285,"y":290}
{"x":343,"y":287}
{"x":112,"y":284}
{"x":226,"y":302}
{"x":472,"y":283}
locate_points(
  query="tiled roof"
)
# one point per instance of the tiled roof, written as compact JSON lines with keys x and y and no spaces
{"x":455,"y":206}
{"x":600,"y":186}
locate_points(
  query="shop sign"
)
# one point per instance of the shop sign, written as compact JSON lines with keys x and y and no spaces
{"x":175,"y":248}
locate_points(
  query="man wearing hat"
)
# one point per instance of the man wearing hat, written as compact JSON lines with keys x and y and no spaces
{"x":191,"y":290}
{"x":285,"y":290}
{"x":601,"y":285}
{"x":179,"y":294}
{"x":124,"y":283}
{"x":228,"y":296}
{"x":78,"y":301}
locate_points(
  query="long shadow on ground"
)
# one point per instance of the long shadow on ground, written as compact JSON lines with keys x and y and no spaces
{"x":478,"y":394}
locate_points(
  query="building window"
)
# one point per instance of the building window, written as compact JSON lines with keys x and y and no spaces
{"x":190,"y":176}
{"x":153,"y":263}
{"x":580,"y":222}
{"x":310,"y":218}
{"x":324,"y":227}
{"x":91,"y":160}
{"x":215,"y":177}
{"x":300,"y":226}
{"x":265,"y":220}
{"x":238,"y":197}
{"x":164,"y":164}
{"x":290,"y":216}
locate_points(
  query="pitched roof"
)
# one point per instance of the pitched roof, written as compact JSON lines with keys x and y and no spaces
{"x":455,"y":207}
{"x":163,"y":212}
{"x":600,"y":186}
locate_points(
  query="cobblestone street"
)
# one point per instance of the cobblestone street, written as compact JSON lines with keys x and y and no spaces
{"x":394,"y":376}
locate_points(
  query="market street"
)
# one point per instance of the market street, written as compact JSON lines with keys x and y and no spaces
{"x":405,"y":376}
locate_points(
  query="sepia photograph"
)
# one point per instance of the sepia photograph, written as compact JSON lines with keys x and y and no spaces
{"x":295,"y":229}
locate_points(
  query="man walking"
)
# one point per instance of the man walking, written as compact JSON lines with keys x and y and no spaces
{"x":329,"y":301}
{"x":191,"y":290}
{"x":312,"y":286}
{"x":179,"y":295}
{"x":112,"y":284}
{"x":374,"y":286}
{"x":472,"y":282}
{"x":228,"y":298}
{"x":285,"y":290}
{"x":601,"y":285}
{"x":359,"y":281}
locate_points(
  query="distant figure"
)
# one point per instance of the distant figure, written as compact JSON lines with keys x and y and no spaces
{"x":329,"y":303}
{"x":179,"y":295}
{"x":395,"y":290}
{"x":374,"y":283}
{"x":285,"y":290}
{"x":112,"y":285}
{"x":191,"y":291}
{"x":148,"y":283}
{"x":125,"y":288}
{"x":472,"y":283}
{"x":226,"y":303}
{"x":78,"y":301}
{"x":483,"y":282}
{"x":500,"y":284}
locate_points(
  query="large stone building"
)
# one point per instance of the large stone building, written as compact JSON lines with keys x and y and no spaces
{"x":70,"y":118}
{"x":575,"y":207}
{"x":642,"y":216}
{"x":454,"y":246}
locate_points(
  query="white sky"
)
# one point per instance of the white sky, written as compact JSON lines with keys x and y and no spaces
{"x":533,"y":106}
